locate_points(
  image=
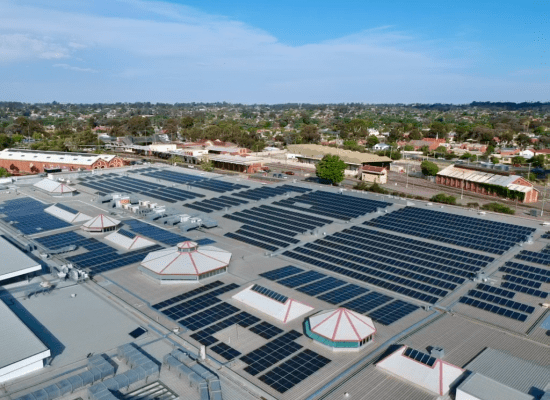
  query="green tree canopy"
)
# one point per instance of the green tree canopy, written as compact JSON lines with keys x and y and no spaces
{"x":518,"y":160}
{"x":538,"y":161}
{"x":4,"y":173}
{"x":331,"y":168}
{"x":429,"y":168}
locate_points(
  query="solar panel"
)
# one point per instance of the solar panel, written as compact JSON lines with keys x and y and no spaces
{"x":342,"y":294}
{"x":280,"y":273}
{"x":271,"y":353}
{"x":225,"y":351}
{"x":294,"y":370}
{"x":392,"y":312}
{"x":266,"y":330}
{"x":187,"y":295}
{"x":423,"y":358}
{"x":126,"y":233}
{"x":494,"y":309}
{"x":498,"y":291}
{"x":367,"y":302}
{"x":208,"y":316}
{"x":301,"y":279}
{"x":502,"y":301}
{"x":66,"y":208}
{"x":270,"y":293}
{"x":321,"y":286}
{"x":525,"y":289}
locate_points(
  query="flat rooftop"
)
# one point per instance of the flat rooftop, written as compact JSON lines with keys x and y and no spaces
{"x":14,"y":261}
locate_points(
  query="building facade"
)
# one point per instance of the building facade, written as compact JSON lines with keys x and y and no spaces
{"x":33,"y":161}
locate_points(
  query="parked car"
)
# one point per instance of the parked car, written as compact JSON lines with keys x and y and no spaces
{"x":289,"y":173}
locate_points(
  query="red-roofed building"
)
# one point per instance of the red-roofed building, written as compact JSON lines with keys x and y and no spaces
{"x":370,"y":173}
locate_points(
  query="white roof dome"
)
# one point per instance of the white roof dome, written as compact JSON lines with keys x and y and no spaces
{"x":342,"y":325}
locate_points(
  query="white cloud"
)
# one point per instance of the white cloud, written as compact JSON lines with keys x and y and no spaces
{"x":17,"y":47}
{"x":72,"y":68}
{"x":177,"y":53}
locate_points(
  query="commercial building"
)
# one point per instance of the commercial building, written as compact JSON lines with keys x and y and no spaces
{"x":35,"y":161}
{"x":54,"y":188}
{"x":488,"y":182}
{"x":313,"y":153}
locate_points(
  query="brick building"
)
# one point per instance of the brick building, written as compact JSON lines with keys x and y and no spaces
{"x":35,"y":161}
{"x":479,"y":181}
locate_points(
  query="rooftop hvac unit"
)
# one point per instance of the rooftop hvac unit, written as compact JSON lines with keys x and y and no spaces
{"x":437,"y":352}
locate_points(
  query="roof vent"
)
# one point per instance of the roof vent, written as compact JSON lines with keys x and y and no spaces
{"x":437,"y":352}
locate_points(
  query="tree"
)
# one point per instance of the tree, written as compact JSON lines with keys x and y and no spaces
{"x":357,"y":128}
{"x":538,"y":161}
{"x":310,"y":134}
{"x":187,"y":122}
{"x":175,"y":159}
{"x":429,"y":168}
{"x":495,"y":160}
{"x":523,"y":140}
{"x":490,"y":150}
{"x":518,"y":160}
{"x":371,"y":141}
{"x":331,"y":168}
{"x":207,"y":165}
{"x":408,"y":147}
{"x":4,"y":173}
{"x":415,"y":134}
{"x":18,"y":138}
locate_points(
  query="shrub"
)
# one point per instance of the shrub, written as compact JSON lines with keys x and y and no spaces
{"x":472,"y":205}
{"x":497,"y":207}
{"x":429,"y":168}
{"x":443,"y":198}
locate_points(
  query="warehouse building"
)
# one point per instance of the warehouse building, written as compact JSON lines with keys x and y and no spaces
{"x":35,"y":161}
{"x":313,"y":153}
{"x":488,"y":182}
{"x":15,"y":264}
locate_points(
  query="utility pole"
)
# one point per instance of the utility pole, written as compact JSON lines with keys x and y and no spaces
{"x":462,"y":192}
{"x":544,"y":197}
{"x":407,"y":184}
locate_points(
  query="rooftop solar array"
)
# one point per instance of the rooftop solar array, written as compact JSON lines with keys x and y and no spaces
{"x":526,"y":271}
{"x":266,"y":330}
{"x":28,"y":216}
{"x":106,"y":259}
{"x":60,"y":240}
{"x":542,"y":257}
{"x":420,"y":270}
{"x":332,"y":205}
{"x":420,"y":357}
{"x":493,"y":308}
{"x":66,"y":208}
{"x":216,"y":204}
{"x":265,"y":192}
{"x":225,"y":351}
{"x":479,"y":234}
{"x":546,"y":235}
{"x":271,"y":353}
{"x":525,"y":289}
{"x":104,"y":184}
{"x":294,"y":370}
{"x":270,"y":293}
{"x":272,"y":228}
{"x":377,"y":306}
{"x":187,"y":295}
{"x":155,"y":233}
{"x":283,"y":272}
{"x":126,"y":233}
{"x":202,"y":182}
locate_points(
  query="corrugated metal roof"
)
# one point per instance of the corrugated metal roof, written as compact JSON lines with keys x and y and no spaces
{"x":17,"y":341}
{"x":351,"y":157}
{"x":53,"y":157}
{"x":515,"y":372}
{"x":484,"y":177}
{"x":484,"y":388}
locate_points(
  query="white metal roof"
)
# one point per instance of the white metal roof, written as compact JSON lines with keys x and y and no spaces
{"x":127,"y":243}
{"x":342,"y":325}
{"x":14,"y":263}
{"x":101,"y":222}
{"x":53,"y":187}
{"x":284,"y":312}
{"x":172,"y":261}
{"x":227,"y":158}
{"x":66,"y":215}
{"x":53,"y":157}
{"x":18,"y":343}
{"x":436,"y":379}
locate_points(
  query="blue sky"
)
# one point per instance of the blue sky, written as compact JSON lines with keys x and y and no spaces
{"x":274,"y":52}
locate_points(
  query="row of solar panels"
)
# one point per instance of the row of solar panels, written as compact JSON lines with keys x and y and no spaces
{"x":489,"y":236}
{"x":337,"y":291}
